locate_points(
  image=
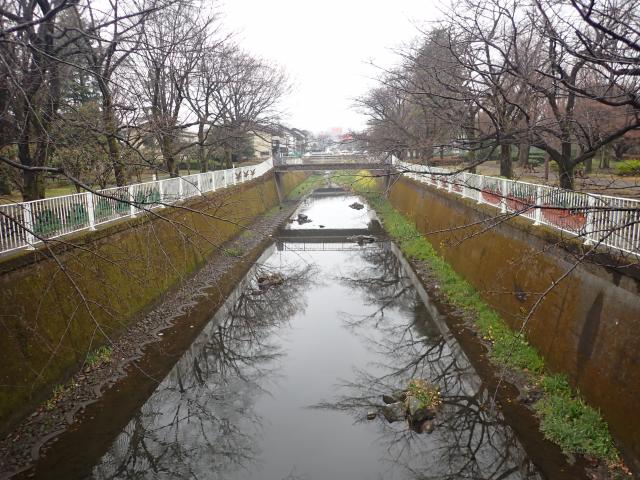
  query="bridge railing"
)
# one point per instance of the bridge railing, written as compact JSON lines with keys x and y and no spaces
{"x":597,"y":219}
{"x":328,"y":159}
{"x":27,"y":224}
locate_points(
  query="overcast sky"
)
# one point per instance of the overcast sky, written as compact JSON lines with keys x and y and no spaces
{"x":325,"y":46}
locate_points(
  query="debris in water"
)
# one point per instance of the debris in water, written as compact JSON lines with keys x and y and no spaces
{"x":269,"y":280}
{"x":362,"y":239}
{"x":356,"y":206}
{"x":302,"y":219}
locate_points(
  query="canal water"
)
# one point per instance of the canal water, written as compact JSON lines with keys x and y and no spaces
{"x":279,"y":383}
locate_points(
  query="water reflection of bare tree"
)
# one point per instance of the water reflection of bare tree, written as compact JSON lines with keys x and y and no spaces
{"x":200,"y":421}
{"x":470,"y":440}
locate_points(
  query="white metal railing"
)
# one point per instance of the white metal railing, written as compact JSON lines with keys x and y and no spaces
{"x":597,"y":219}
{"x":26,"y":224}
{"x":328,"y":159}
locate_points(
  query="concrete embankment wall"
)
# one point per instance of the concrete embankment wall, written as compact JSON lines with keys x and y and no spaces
{"x":586,"y":326}
{"x":57,"y":305}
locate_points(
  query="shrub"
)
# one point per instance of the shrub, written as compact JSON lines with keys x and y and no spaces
{"x":47,"y":223}
{"x":77,"y":215}
{"x":628,"y":167}
{"x":103,"y":209}
{"x":122,"y":206}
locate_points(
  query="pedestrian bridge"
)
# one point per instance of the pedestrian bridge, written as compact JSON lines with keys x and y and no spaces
{"x":331,"y":162}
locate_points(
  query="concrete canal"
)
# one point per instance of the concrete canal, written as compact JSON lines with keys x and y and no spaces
{"x":286,"y":380}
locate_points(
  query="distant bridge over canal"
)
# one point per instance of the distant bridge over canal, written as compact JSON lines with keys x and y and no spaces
{"x":331,"y":162}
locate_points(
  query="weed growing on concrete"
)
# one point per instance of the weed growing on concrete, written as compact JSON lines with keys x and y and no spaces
{"x":100,"y":356}
{"x":565,"y":418}
{"x":571,"y":423}
{"x":311,"y":183}
{"x":58,"y":393}
{"x":233,"y":252}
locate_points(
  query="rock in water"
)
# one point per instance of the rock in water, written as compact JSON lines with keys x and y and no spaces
{"x":356,"y":206}
{"x":427,"y":426}
{"x":400,"y":395}
{"x":302,"y":219}
{"x":389,"y":399}
{"x":418,"y":412}
{"x":371,"y":415}
{"x":394,"y":412}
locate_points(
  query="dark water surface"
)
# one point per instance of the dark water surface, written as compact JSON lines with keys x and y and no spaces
{"x":278,"y":385}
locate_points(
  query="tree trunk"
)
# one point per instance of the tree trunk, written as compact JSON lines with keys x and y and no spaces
{"x":227,"y":158}
{"x":523,"y":154}
{"x":202,"y":157}
{"x":546,"y":166}
{"x":168,"y":155}
{"x":588,"y":165}
{"x":565,"y":168}
{"x":32,"y":181}
{"x":111,"y":131}
{"x":506,"y":164}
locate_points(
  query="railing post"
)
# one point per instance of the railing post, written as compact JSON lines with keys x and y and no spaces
{"x":28,"y":226}
{"x":463,"y":176}
{"x":180,"y":189}
{"x":199,"y":182}
{"x":538,"y":212}
{"x":503,"y":196}
{"x":91,"y":211}
{"x":589,"y":226}
{"x":132,"y":208}
{"x":224,"y":177}
{"x":233,"y":175}
{"x":480,"y":187}
{"x":161,"y":193}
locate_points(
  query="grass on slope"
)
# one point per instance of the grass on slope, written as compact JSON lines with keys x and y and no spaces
{"x":565,"y":418}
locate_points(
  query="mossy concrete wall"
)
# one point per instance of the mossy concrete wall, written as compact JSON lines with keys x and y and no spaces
{"x":57,"y":305}
{"x":586,"y":326}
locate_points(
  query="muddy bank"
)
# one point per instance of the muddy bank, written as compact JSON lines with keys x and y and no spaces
{"x":136,"y":362}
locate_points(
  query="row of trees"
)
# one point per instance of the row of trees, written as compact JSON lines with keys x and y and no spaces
{"x":562,"y":76}
{"x":91,"y":90}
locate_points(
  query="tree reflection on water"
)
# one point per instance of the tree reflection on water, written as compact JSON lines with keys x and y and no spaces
{"x":200,"y":421}
{"x":203,"y":421}
{"x":470,"y":440}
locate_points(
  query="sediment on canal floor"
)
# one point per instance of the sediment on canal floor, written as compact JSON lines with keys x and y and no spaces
{"x":585,"y":327}
{"x":57,"y":304}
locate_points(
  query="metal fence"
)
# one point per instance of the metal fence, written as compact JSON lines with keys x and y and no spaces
{"x":597,"y":219}
{"x":328,"y":159}
{"x":27,"y":224}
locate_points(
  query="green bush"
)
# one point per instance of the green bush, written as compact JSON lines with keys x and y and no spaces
{"x":103,"y":209}
{"x":628,"y":167}
{"x":47,"y":223}
{"x":122,"y":206}
{"x":77,"y":215}
{"x":147,"y":197}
